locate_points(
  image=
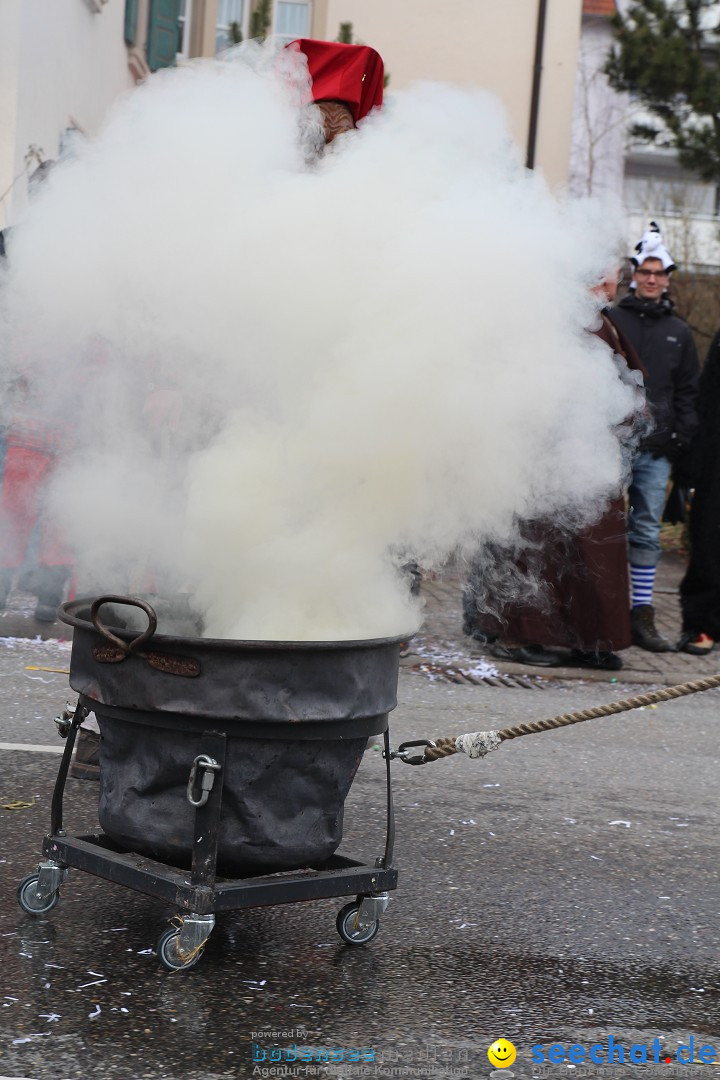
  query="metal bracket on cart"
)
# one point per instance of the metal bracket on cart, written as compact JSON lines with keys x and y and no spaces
{"x":182,"y":944}
{"x":371,"y":908}
{"x":64,"y":723}
{"x":50,"y":877}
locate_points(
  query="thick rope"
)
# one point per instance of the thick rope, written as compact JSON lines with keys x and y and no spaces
{"x":447,"y":745}
{"x":444,"y":747}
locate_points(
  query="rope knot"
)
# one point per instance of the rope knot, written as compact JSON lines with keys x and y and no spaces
{"x":477,"y":744}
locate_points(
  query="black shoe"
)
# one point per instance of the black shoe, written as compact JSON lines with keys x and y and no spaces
{"x":85,"y":764}
{"x":537,"y":655}
{"x":604,"y":661}
{"x":644,"y":632}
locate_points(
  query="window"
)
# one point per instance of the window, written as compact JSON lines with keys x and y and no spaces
{"x":184,"y":24}
{"x":292,"y":19}
{"x":229,"y":12}
{"x":670,"y":196}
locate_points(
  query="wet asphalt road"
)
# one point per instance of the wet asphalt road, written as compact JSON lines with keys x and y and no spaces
{"x":563,"y":889}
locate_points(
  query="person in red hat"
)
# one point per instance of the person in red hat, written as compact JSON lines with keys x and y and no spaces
{"x":347,"y":82}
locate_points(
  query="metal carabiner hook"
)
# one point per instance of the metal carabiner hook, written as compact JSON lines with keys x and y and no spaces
{"x":209,"y":767}
{"x":416,"y":759}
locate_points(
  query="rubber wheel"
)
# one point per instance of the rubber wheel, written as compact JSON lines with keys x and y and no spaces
{"x":29,"y":902}
{"x":167,"y":952}
{"x":351,"y":934}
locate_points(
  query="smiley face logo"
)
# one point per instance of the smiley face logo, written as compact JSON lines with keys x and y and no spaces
{"x":502,"y":1053}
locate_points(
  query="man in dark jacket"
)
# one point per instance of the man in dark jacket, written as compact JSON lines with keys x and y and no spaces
{"x":666,"y":348}
{"x":700,"y":588}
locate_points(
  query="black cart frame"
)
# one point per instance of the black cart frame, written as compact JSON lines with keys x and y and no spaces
{"x":200,"y":893}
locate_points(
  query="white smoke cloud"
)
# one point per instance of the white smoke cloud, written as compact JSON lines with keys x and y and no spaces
{"x":281,"y":379}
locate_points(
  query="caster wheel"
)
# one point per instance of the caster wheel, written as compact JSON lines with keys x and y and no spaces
{"x":168,"y":955}
{"x":349,"y":931}
{"x":27,"y":898}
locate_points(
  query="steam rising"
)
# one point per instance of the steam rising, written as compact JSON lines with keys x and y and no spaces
{"x":280,"y":378}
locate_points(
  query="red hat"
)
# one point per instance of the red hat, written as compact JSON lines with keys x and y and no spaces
{"x":352,"y":74}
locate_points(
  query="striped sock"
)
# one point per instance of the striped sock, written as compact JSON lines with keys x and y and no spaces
{"x":642,"y":579}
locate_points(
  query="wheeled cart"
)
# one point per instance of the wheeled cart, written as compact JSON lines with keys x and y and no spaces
{"x":190,"y":855}
{"x":200,"y":894}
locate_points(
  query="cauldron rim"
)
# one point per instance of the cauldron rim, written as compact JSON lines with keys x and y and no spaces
{"x":68,"y":613}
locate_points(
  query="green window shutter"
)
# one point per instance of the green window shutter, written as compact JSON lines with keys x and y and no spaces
{"x":131,"y":21}
{"x":162,"y":40}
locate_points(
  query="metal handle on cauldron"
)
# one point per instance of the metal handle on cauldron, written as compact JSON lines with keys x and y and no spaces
{"x":130,"y":601}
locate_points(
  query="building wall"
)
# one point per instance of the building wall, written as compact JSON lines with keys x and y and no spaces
{"x":321,"y":28}
{"x":487,"y":43}
{"x":204,"y":21}
{"x":599,"y":118}
{"x":61,"y":65}
{"x":9,"y":58}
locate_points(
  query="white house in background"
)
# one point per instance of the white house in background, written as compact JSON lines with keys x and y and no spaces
{"x":649,"y":180}
{"x":600,"y":113}
{"x":64,"y":62}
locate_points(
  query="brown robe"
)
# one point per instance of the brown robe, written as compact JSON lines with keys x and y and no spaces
{"x":584,"y":601}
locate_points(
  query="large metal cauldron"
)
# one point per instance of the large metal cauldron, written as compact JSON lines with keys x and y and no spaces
{"x":297,"y":716}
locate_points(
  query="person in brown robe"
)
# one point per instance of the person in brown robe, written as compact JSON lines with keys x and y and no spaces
{"x":581,"y":602}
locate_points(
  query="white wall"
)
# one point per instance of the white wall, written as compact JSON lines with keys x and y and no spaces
{"x":599,"y":119}
{"x":9,"y":57}
{"x":488,"y":43}
{"x":60,"y":64}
